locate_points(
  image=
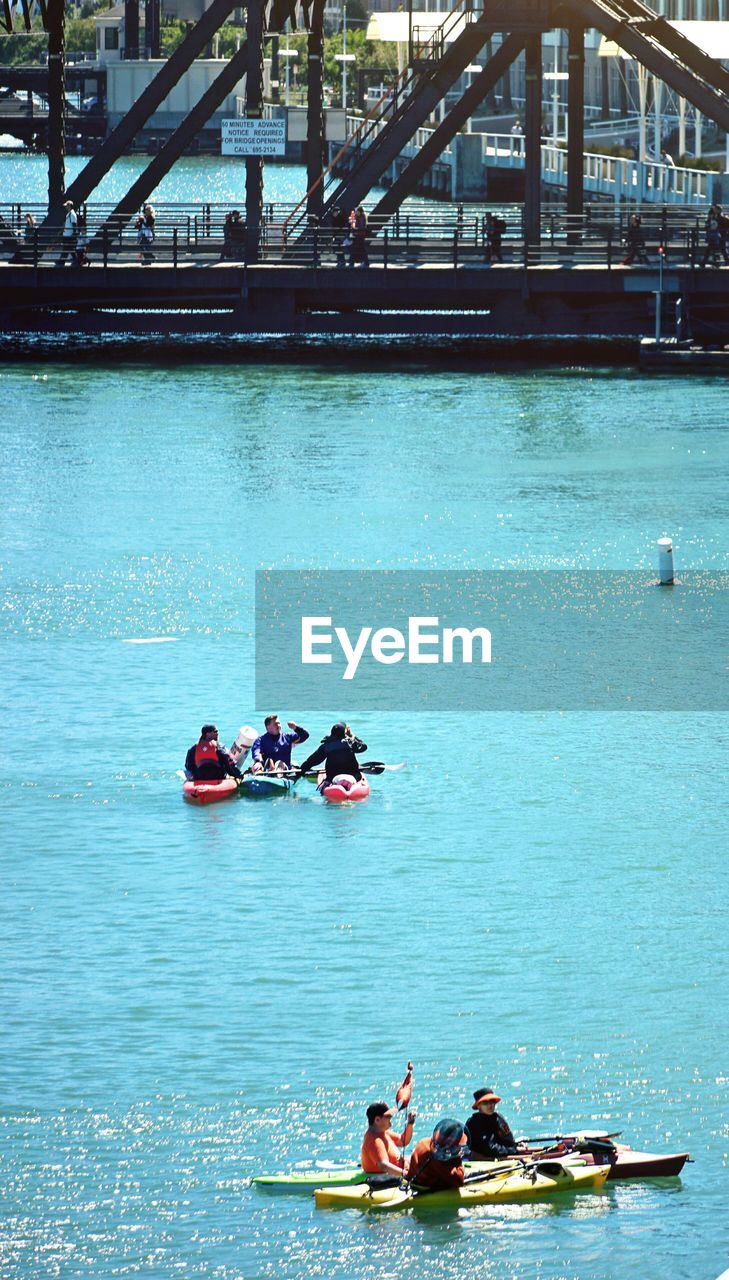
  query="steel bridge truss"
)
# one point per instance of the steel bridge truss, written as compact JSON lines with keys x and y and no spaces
{"x":435,"y":66}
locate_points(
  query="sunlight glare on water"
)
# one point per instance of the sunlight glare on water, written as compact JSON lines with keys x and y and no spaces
{"x":194,"y":996}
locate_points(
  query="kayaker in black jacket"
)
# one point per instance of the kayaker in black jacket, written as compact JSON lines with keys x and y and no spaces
{"x":337,"y":753}
{"x":207,"y":761}
{"x":489,"y":1136}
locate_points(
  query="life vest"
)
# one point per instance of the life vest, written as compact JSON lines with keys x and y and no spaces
{"x":205,"y":753}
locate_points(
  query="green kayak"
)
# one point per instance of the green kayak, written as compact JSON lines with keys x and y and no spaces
{"x":308,"y":1179}
{"x":330,"y":1175}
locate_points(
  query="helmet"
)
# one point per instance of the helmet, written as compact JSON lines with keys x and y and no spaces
{"x":447,"y":1141}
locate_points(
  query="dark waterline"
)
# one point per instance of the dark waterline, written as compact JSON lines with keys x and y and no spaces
{"x":379,"y":353}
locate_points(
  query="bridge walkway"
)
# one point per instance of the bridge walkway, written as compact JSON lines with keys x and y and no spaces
{"x":419,"y":233}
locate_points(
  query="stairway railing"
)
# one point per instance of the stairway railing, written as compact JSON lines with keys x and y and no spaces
{"x":388,"y":107}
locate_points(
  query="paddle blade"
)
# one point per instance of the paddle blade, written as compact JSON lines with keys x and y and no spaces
{"x":405,"y":1092}
{"x":377,"y":766}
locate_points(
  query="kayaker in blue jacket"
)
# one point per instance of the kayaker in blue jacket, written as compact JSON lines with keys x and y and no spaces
{"x":207,"y":761}
{"x":273,"y":747}
{"x":489,"y":1136}
{"x":337,"y":753}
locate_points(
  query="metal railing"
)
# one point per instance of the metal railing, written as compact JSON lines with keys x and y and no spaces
{"x":616,"y":178}
{"x":419,"y":234}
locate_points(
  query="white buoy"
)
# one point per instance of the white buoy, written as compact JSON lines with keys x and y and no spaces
{"x":243,"y":743}
{"x":665,"y":561}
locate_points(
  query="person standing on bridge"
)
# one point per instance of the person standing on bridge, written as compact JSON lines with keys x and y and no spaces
{"x":494,"y":229}
{"x":30,"y":230}
{"x":358,"y":231}
{"x":634,"y":242}
{"x":68,"y":237}
{"x":339,"y":232}
{"x":145,"y":234}
{"x":82,"y":242}
{"x":724,"y":233}
{"x":715,"y":230}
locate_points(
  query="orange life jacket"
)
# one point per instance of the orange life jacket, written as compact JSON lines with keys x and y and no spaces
{"x":205,"y":753}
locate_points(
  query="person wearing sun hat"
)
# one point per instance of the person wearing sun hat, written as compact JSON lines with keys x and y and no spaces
{"x":69,"y":233}
{"x":489,"y":1136}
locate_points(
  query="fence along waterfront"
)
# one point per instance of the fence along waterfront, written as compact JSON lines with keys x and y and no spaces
{"x":421,"y":233}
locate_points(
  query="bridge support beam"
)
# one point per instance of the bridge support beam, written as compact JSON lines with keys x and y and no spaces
{"x":56,"y":109}
{"x":488,"y":77}
{"x":151,"y":27}
{"x":142,"y":188}
{"x":149,"y":100}
{"x":533,"y":138}
{"x":576,"y":118}
{"x":681,"y":65}
{"x":254,"y":111}
{"x":131,"y":29}
{"x":403,"y":122}
{"x":315,"y":114}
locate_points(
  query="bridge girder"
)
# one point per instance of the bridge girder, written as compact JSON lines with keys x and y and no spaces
{"x":635,"y":27}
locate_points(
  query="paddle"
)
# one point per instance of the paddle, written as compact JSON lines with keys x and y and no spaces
{"x":367,"y":766}
{"x":405,"y":1092}
{"x":503,"y":1171}
{"x":376,"y":766}
{"x":373,"y":767}
{"x":575,"y":1137}
{"x":517,"y":1166}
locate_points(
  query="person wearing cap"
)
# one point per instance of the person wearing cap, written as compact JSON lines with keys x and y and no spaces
{"x":437,"y":1162}
{"x":207,"y":761}
{"x":489,"y":1136}
{"x":273,"y":748}
{"x":337,"y":753}
{"x":70,"y":231}
{"x":382,"y":1150}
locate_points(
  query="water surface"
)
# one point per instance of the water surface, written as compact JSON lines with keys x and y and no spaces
{"x":537,"y":902}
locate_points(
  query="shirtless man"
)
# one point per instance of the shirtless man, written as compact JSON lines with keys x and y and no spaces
{"x":383,"y":1150}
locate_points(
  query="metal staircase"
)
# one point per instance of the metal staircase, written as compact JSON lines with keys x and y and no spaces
{"x":435,"y":64}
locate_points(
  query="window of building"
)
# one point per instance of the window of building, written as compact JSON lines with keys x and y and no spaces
{"x":111,"y":38}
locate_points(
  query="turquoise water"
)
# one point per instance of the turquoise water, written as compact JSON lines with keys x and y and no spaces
{"x":536,"y":902}
{"x":200,"y":178}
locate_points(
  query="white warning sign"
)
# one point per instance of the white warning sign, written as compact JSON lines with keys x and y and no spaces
{"x":242,"y":137}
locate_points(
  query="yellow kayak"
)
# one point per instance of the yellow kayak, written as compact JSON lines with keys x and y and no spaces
{"x":507,"y":1187}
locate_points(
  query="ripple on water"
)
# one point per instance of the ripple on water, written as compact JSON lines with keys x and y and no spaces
{"x":192,"y":997}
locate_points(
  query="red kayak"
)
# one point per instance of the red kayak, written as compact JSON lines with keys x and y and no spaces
{"x":643,"y":1164}
{"x":344,"y":788}
{"x":626,"y":1163}
{"x":210,"y":792}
